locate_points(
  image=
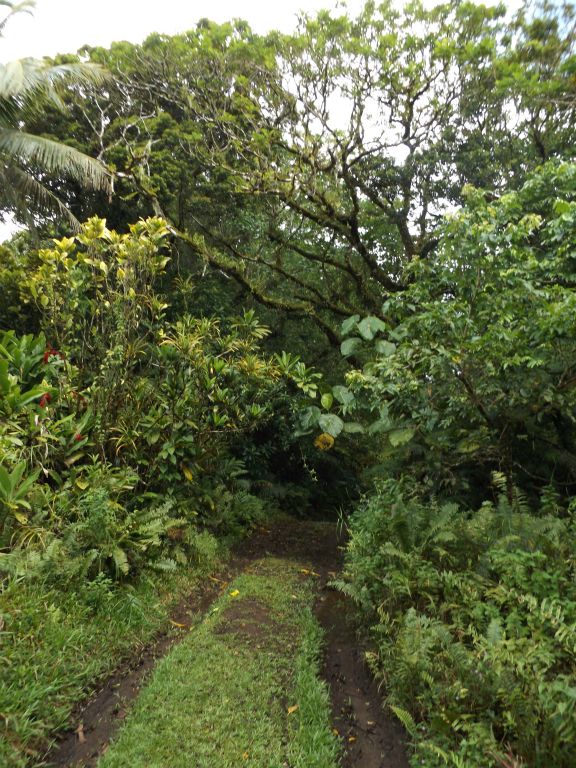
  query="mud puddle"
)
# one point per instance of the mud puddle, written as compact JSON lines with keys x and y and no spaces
{"x":370,"y":738}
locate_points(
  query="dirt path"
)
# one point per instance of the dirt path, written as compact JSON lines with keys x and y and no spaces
{"x":370,"y":739}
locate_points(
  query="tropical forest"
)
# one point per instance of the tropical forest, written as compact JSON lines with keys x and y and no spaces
{"x":288,"y":394}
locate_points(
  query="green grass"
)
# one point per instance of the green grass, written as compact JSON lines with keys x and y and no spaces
{"x":241,"y":689}
{"x":57,"y":642}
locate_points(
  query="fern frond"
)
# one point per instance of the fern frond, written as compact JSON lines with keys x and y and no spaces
{"x":406,"y":719}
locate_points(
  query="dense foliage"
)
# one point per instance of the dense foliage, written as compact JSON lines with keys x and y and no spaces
{"x":314,"y":167}
{"x":473,"y":615}
{"x":119,"y":400}
{"x":473,"y":369}
{"x":394,"y":195}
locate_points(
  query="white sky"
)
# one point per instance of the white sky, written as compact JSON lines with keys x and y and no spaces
{"x":63,"y":26}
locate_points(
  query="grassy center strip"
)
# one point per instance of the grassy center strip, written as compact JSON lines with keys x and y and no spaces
{"x":242,"y":688}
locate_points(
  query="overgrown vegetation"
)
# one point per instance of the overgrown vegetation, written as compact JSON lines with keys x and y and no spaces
{"x":472,"y":615}
{"x":60,"y":640}
{"x":117,"y":458}
{"x":390,"y":199}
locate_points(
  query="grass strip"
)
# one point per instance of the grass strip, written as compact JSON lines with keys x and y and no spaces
{"x":312,"y":744}
{"x":57,"y":642}
{"x":242,"y":688}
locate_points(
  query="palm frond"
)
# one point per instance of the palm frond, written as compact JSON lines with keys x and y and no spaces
{"x":24,"y":7}
{"x":30,"y":77}
{"x":22,"y":192}
{"x":53,"y":157}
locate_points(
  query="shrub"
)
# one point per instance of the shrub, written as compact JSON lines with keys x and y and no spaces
{"x":473,"y":619}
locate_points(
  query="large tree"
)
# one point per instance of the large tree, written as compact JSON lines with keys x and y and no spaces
{"x":314,"y":168}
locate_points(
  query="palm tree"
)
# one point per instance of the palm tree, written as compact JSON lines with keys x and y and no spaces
{"x":26,"y":161}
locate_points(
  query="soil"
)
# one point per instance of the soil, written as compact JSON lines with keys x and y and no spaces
{"x":370,"y":739}
{"x":250,"y":620}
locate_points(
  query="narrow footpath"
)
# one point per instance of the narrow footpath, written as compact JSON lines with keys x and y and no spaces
{"x":252,"y":616}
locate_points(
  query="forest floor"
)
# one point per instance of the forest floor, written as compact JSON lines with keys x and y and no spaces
{"x":243,"y":660}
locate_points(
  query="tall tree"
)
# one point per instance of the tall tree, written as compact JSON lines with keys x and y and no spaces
{"x":314,"y":168}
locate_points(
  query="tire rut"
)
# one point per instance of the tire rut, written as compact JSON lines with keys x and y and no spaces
{"x":369,"y":738}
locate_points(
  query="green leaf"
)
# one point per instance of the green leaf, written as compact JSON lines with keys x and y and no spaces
{"x":562,"y":206}
{"x":73,"y":459}
{"x":385,"y":348}
{"x":342,"y":394}
{"x":349,"y":345}
{"x":16,"y":474}
{"x":369,"y":327}
{"x":28,"y":482}
{"x":406,"y":719}
{"x":494,"y":632}
{"x":349,"y":324}
{"x":4,"y":380}
{"x":331,"y":424}
{"x":120,"y":560}
{"x":380,"y":425}
{"x":353,"y":427}
{"x":310,"y":417}
{"x":5,"y":484}
{"x":326,"y":400}
{"x":399,"y":437}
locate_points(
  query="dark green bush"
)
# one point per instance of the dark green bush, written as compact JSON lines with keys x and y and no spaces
{"x":473,"y":620}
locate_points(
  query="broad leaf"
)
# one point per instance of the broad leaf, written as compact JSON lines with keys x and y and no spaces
{"x":370,"y":326}
{"x":349,"y":324}
{"x":331,"y":424}
{"x":326,"y":400}
{"x":385,"y":348}
{"x":353,"y":427}
{"x":343,"y":394}
{"x":400,"y":436}
{"x":349,"y":345}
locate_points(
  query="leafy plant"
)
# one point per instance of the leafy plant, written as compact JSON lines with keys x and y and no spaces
{"x":14,"y":489}
{"x":472,"y":618}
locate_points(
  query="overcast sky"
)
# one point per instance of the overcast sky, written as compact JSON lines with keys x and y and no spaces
{"x":63,"y":26}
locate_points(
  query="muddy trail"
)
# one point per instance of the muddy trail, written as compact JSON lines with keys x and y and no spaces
{"x":369,"y":738}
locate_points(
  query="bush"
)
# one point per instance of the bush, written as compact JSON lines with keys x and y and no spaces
{"x":473,"y":618}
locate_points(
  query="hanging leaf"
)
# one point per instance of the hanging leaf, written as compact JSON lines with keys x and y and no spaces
{"x":349,"y":345}
{"x":310,"y":417}
{"x":342,"y":394}
{"x":349,"y":324}
{"x":369,"y":327}
{"x":326,"y":400}
{"x":353,"y":427}
{"x":385,"y":348}
{"x":380,"y":425}
{"x":400,"y":436}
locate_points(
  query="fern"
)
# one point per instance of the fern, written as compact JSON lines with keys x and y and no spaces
{"x":406,"y":719}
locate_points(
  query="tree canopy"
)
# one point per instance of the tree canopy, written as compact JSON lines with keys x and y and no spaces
{"x":315,"y":167}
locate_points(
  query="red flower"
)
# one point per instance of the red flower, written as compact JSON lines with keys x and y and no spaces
{"x":77,"y":437}
{"x":45,"y":399}
{"x":51,"y":352}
